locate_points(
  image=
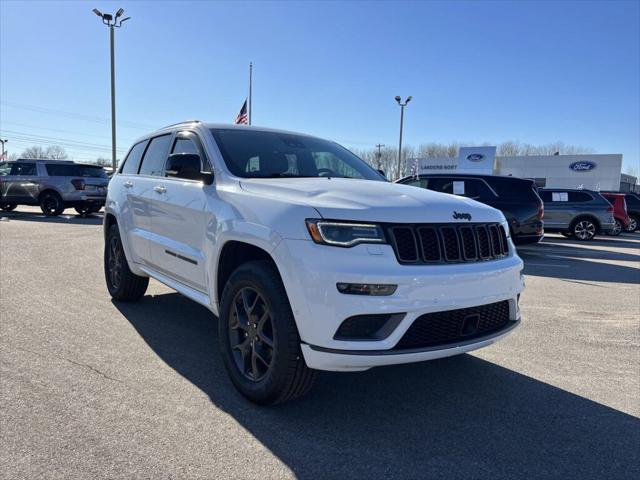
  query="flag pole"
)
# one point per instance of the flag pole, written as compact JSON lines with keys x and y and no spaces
{"x":250,"y":86}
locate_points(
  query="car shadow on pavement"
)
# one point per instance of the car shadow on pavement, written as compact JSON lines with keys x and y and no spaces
{"x":461,"y":417}
{"x":71,"y":218}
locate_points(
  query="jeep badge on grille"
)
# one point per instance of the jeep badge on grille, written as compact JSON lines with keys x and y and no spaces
{"x":461,"y":216}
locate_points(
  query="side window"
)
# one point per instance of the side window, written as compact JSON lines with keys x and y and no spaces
{"x":156,"y":155}
{"x":444,"y":185}
{"x":22,"y":168}
{"x":579,"y":197}
{"x":132,"y":162}
{"x":5,"y":169}
{"x":417,"y":183}
{"x":62,"y":170}
{"x":185,"y":145}
{"x":188,"y":142}
{"x":545,"y":195}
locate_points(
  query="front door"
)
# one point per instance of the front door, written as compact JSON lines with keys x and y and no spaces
{"x":179,"y":220}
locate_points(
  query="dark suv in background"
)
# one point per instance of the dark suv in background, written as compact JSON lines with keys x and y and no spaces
{"x":577,"y":213}
{"x":517,"y":198}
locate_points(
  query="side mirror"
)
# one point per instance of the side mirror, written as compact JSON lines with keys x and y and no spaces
{"x":187,"y":166}
{"x":381,"y":172}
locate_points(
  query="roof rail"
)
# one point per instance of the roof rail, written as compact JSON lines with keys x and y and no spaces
{"x":180,"y":123}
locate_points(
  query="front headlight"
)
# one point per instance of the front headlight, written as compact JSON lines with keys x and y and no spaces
{"x":344,"y":234}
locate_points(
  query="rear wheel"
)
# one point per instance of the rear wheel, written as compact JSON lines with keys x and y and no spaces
{"x":617,"y":228}
{"x":258,"y":337}
{"x":633,"y":225}
{"x":51,"y":204}
{"x":584,"y":229}
{"x":122,"y":283}
{"x":7,"y":207}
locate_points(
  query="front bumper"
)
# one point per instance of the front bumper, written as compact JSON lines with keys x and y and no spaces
{"x":310,"y":273}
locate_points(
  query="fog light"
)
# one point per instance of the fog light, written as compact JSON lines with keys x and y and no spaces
{"x":366,"y":289}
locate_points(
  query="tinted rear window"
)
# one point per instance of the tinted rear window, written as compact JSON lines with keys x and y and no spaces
{"x":62,"y":170}
{"x":132,"y":162}
{"x":632,"y":200}
{"x":514,"y":188}
{"x":94,"y":172}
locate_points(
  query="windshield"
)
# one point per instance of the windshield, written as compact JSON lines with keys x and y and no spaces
{"x":259,"y":154}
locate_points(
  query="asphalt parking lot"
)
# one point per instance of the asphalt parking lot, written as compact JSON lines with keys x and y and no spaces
{"x":93,"y":389}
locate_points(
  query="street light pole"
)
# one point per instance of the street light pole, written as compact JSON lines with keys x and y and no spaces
{"x":3,"y":142}
{"x":112,"y":21}
{"x":402,"y":105}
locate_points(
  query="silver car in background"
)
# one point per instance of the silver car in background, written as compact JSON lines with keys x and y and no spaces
{"x":53,"y":185}
{"x":576,"y":213}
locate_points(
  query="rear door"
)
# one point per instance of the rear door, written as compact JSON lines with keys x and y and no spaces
{"x":557,"y":208}
{"x":179,"y":221}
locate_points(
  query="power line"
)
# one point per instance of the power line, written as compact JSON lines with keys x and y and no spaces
{"x":58,"y":130}
{"x":63,"y":113}
{"x":65,"y":141}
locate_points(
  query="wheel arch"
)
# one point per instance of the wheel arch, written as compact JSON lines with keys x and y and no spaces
{"x":233,"y":254}
{"x":49,"y":190}
{"x":586,"y":216}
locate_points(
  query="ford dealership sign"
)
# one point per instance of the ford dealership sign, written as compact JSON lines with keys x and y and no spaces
{"x":582,"y":166}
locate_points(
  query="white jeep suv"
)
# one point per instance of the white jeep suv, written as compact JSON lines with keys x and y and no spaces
{"x":310,"y":259}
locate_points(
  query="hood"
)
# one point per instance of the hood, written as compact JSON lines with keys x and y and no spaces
{"x":371,"y":201}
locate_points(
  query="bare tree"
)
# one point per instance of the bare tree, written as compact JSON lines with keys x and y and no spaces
{"x":33,"y":152}
{"x":52,"y":152}
{"x":56,"y":152}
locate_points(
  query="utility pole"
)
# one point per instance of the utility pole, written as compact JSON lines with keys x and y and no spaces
{"x":379,"y":155}
{"x":402,"y":105}
{"x":3,"y":152}
{"x":112,"y":21}
{"x":250,"y":89}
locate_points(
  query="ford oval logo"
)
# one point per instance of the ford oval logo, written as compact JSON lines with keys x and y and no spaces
{"x":582,"y":166}
{"x":475,"y":157}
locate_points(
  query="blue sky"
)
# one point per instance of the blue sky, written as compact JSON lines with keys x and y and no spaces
{"x":537,"y":72}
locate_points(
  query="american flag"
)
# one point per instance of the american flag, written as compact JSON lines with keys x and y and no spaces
{"x":242,"y":117}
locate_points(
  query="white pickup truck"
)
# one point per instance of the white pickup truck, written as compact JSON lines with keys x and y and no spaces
{"x":310,"y":259}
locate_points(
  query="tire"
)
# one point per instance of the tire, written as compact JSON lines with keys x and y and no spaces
{"x":617,"y":229}
{"x":122,"y":283}
{"x":51,"y":204}
{"x":633,"y":226}
{"x":8,"y":207}
{"x":267,"y":331}
{"x":584,"y":229}
{"x":84,"y":210}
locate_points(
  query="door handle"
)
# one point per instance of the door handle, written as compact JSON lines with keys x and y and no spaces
{"x":127,"y":184}
{"x":159,"y":189}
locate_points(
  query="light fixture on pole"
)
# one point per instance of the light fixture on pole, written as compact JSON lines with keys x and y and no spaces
{"x":112,"y":21}
{"x":402,"y":105}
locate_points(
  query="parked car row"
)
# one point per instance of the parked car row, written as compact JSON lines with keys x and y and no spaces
{"x":53,"y":185}
{"x":582,"y":214}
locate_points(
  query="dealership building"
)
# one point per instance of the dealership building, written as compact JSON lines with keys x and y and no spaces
{"x":593,"y":172}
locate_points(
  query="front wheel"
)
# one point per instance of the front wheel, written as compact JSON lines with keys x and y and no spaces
{"x":584,"y":230}
{"x":258,"y":337}
{"x":8,"y":207}
{"x":122,"y":283}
